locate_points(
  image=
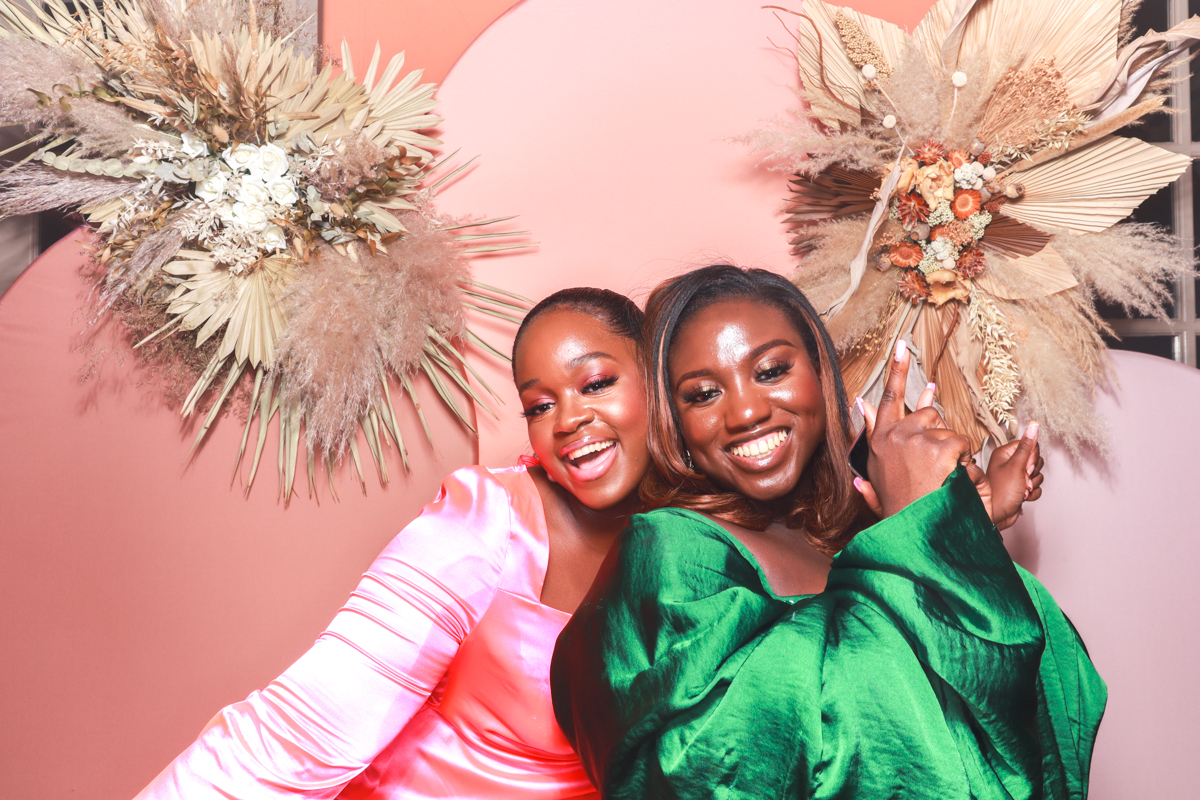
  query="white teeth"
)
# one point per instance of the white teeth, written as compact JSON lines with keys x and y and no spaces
{"x":759,"y":447}
{"x":588,"y":449}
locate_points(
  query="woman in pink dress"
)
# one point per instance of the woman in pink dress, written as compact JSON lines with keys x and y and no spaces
{"x":433,"y":680}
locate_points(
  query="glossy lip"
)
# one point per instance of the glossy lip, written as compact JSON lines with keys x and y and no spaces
{"x":597,"y":466}
{"x":582,"y":442}
{"x":765,"y":461}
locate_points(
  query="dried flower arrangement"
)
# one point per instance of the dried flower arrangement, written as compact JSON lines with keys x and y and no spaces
{"x":963,"y":187}
{"x":269,"y":219}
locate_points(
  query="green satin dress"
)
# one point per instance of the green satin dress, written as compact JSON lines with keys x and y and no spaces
{"x":930,"y":667}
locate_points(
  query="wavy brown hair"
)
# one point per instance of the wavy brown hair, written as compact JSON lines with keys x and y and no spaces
{"x":824,"y":503}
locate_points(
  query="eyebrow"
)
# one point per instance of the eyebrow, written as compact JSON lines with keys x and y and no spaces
{"x":575,"y":362}
{"x":755,"y":353}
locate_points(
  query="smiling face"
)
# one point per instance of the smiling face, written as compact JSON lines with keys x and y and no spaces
{"x":584,"y":405}
{"x":750,"y":405}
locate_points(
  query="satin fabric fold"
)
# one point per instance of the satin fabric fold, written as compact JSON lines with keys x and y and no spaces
{"x":931,"y":666}
{"x":432,"y":681}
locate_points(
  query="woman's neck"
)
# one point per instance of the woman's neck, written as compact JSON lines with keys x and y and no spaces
{"x":791,"y":564}
{"x":580,"y":537}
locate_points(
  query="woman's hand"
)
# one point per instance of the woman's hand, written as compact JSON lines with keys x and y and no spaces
{"x":911,"y":454}
{"x":1014,"y":476}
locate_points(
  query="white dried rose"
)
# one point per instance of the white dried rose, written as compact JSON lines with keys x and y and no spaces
{"x":194,"y":146}
{"x":251,"y":216}
{"x":241,"y":157}
{"x":272,"y":162}
{"x":283,"y":192}
{"x":253,"y":192}
{"x":212,"y":189}
{"x":272,"y":238}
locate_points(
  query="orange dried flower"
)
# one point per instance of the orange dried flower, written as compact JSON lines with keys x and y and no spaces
{"x":971,"y":262}
{"x":911,"y":208}
{"x":906,"y":254}
{"x":992,"y":207}
{"x":957,"y":231}
{"x":956,"y":158}
{"x":931,"y":152}
{"x":984,"y":158}
{"x":912,"y":286}
{"x":966,"y":202}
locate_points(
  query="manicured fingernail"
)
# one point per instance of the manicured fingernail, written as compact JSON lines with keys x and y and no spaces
{"x":858,"y":403}
{"x":858,"y":482}
{"x":901,"y":348}
{"x":1031,"y":432}
{"x":931,"y":386}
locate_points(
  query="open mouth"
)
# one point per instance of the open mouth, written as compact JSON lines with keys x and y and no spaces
{"x":589,"y":462}
{"x":760,"y":447}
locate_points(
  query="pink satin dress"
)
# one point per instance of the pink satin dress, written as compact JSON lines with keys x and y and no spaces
{"x":432,"y":682}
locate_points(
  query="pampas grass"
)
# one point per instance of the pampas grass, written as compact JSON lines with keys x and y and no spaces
{"x":154,"y":250}
{"x":101,"y":127}
{"x":97,"y":126}
{"x":1062,"y":361}
{"x":920,"y":95}
{"x":1057,"y":390}
{"x":33,"y":65}
{"x":795,"y":144}
{"x":355,"y":161}
{"x":823,"y":277}
{"x":823,"y":273}
{"x":278,"y":18}
{"x":352,"y":318}
{"x":33,"y":188}
{"x":420,"y":291}
{"x":1128,"y":264}
{"x":327,"y":358}
{"x":863,"y":311}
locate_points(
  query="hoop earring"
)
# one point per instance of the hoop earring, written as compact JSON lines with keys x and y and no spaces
{"x":687,"y":458}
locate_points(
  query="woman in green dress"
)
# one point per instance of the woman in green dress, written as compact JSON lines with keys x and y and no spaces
{"x":743,"y":642}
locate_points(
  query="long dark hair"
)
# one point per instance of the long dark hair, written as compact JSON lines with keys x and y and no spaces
{"x":615,"y":311}
{"x":825,"y":505}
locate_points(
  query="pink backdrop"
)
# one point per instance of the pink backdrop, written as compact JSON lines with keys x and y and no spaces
{"x":138,"y":594}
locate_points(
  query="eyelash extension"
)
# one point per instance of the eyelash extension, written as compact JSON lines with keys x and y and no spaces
{"x":533,"y":412}
{"x":600,"y":383}
{"x":697,"y":395}
{"x":781,"y":367}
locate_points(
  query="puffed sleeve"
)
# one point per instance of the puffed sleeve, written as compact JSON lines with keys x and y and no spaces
{"x":929,"y":667}
{"x":321,"y":722}
{"x":653,"y":651}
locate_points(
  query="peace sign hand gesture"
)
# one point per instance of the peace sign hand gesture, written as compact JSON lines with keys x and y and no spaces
{"x":911,"y":454}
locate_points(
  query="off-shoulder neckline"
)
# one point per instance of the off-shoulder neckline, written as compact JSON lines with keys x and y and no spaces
{"x":742,"y":550}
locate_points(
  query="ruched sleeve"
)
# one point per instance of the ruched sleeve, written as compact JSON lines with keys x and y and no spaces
{"x":321,"y":722}
{"x":926,"y":668}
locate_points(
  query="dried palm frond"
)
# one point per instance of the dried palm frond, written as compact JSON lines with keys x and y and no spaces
{"x":993,"y":217}
{"x":270,"y":215}
{"x":838,"y":192}
{"x":1092,"y":189}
